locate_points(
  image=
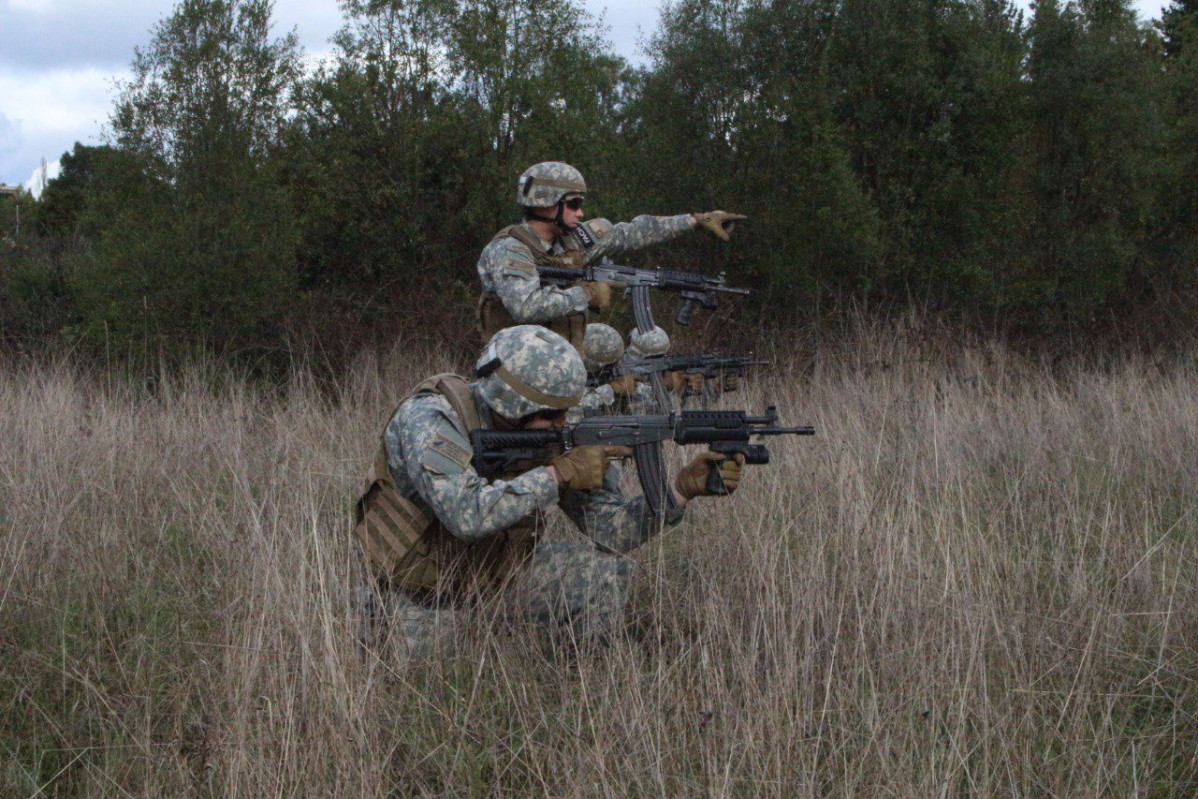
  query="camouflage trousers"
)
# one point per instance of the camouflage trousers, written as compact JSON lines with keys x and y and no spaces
{"x":574,"y":592}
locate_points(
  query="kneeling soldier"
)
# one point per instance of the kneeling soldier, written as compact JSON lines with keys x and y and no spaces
{"x":439,"y":536}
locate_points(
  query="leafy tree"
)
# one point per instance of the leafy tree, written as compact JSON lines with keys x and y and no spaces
{"x":1092,"y":156}
{"x":85,"y":173}
{"x":1174,"y":242}
{"x":362,"y":154}
{"x":201,"y":247}
{"x":33,"y":299}
{"x":407,"y":145}
{"x":868,"y":142}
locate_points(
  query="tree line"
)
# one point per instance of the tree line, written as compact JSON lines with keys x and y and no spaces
{"x":1025,"y":174}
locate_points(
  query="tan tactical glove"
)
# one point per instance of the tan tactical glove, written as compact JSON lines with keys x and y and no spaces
{"x":710,"y":474}
{"x":599,"y":293}
{"x":624,"y":386}
{"x":718,"y":223}
{"x":730,"y":382}
{"x":684,"y":384}
{"x":582,"y":468}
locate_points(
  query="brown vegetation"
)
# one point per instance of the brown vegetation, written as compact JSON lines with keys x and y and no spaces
{"x":977,"y":579}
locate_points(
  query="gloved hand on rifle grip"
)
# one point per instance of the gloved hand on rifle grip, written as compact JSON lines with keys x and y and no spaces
{"x":624,"y":386}
{"x":582,"y":468}
{"x":718,"y":223}
{"x":684,"y":384}
{"x":599,"y":292}
{"x":711,"y":474}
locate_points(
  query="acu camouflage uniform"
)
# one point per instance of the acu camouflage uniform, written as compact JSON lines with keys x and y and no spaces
{"x":512,"y":293}
{"x":484,"y":533}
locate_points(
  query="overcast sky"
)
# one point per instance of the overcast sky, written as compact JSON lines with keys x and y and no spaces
{"x":59,"y":60}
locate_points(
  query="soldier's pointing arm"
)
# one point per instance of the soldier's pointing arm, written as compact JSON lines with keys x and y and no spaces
{"x":437,"y":461}
{"x":507,"y":269}
{"x":600,"y":238}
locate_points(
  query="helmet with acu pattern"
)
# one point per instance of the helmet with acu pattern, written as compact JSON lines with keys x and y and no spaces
{"x":529,"y":368}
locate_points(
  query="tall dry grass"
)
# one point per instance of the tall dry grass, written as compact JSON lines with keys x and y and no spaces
{"x":977,"y":579}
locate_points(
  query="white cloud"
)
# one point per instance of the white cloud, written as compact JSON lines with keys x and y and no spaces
{"x":58,"y":60}
{"x":43,"y":114}
{"x":41,"y":176}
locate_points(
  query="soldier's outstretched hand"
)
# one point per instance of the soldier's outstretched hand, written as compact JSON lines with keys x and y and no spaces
{"x":718,"y":223}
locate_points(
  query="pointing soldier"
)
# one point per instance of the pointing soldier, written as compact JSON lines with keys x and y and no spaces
{"x":554,"y":233}
{"x":439,"y":535}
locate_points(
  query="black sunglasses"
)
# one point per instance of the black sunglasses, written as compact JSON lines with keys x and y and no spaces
{"x":574,"y":203}
{"x":551,"y":415}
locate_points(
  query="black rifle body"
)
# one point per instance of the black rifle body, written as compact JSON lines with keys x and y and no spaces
{"x":710,"y":366}
{"x":726,"y":432}
{"x":694,"y":289}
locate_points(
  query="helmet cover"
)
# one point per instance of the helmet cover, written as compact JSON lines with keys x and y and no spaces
{"x":546,"y":184}
{"x":601,"y":346}
{"x":529,"y":368}
{"x":654,"y":342}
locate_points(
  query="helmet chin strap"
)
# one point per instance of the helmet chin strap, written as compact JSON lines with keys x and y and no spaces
{"x":557,"y":218}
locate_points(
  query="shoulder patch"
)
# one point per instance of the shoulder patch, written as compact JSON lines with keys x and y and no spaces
{"x":517,"y":260}
{"x":448,"y":452}
{"x":598,"y":227}
{"x":519,"y":269}
{"x":452,"y":449}
{"x":583,"y":236}
{"x":445,"y":456}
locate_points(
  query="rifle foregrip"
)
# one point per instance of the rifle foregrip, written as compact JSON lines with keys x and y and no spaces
{"x":755,"y":454}
{"x":685,"y":312}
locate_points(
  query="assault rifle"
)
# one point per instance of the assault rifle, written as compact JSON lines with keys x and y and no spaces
{"x":726,"y":432}
{"x":693,"y":289}
{"x":710,"y":366}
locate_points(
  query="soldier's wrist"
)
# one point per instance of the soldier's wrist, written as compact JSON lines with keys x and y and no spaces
{"x":581,"y":299}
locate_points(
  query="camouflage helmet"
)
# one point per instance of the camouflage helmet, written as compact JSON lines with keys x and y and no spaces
{"x":601,"y":346}
{"x":545,"y":184}
{"x":529,"y":368}
{"x":655,"y":342}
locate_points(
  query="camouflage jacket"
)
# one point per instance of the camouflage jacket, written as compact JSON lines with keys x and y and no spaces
{"x":428,"y":455}
{"x":508,"y":270}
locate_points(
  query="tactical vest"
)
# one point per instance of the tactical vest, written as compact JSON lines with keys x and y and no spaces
{"x":493,"y":317}
{"x":408,"y":547}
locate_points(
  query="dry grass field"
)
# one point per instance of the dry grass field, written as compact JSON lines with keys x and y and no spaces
{"x":977,"y":579}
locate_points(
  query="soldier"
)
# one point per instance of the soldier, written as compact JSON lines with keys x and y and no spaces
{"x":440,"y":536}
{"x":657,"y":342}
{"x":603,"y":346}
{"x":551,"y":195}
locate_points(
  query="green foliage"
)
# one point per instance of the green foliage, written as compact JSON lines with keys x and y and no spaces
{"x":197,"y":244}
{"x":1173,"y":243}
{"x":1093,"y":139}
{"x":405,"y":149}
{"x":1032,"y":175}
